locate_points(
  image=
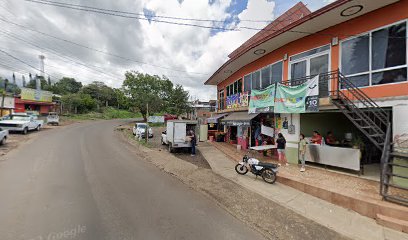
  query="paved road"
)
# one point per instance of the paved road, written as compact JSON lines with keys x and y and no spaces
{"x":79,"y":182}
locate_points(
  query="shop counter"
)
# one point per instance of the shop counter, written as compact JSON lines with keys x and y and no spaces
{"x":348,"y":158}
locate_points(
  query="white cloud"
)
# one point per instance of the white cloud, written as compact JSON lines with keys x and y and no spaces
{"x":185,"y":48}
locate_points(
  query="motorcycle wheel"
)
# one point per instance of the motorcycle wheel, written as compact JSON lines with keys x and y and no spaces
{"x":241,"y":169}
{"x":268,"y":176}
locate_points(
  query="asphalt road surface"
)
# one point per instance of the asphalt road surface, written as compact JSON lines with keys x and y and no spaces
{"x":80,"y":182}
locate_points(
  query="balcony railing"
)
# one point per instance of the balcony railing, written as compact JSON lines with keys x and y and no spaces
{"x":328,"y":83}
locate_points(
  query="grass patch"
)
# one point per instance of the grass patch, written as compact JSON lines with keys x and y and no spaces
{"x":107,"y":113}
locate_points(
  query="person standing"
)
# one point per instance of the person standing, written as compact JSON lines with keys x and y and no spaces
{"x":193,"y":142}
{"x":302,"y":151}
{"x":281,"y":142}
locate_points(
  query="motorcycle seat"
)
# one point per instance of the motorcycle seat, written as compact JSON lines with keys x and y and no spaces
{"x":270,"y":165}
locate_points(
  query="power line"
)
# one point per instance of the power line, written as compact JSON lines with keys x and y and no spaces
{"x":97,"y":50}
{"x":8,"y":54}
{"x":117,"y":14}
{"x":153,"y":15}
{"x":58,"y":54}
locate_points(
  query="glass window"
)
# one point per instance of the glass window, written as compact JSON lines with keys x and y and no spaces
{"x":355,"y":55}
{"x":359,"y":81}
{"x":389,"y":47}
{"x":256,"y":80}
{"x":266,"y":76}
{"x":235,"y":87}
{"x":298,"y":70}
{"x":391,"y":76}
{"x":276,"y":70}
{"x":247,"y":82}
{"x":310,"y":52}
{"x":239,"y":85}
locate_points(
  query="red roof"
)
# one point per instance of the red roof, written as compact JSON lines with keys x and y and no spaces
{"x":292,"y":15}
{"x":19,"y":100}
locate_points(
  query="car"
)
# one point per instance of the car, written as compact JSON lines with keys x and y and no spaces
{"x":21,"y":122}
{"x":53,"y":118}
{"x":3,"y":136}
{"x":139,"y":130}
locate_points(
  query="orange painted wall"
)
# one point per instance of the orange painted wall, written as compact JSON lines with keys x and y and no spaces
{"x":376,"y":19}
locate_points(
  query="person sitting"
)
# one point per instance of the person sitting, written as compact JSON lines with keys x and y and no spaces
{"x":317,"y":138}
{"x":330,"y":139}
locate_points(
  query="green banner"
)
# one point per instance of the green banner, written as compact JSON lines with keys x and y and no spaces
{"x":298,"y":99}
{"x":262,"y":100}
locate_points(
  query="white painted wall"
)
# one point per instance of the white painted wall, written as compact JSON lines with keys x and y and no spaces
{"x":291,"y":137}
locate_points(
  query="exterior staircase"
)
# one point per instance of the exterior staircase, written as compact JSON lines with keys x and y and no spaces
{"x":374,"y":122}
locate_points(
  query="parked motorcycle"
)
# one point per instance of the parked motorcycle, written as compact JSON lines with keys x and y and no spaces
{"x":267,"y":171}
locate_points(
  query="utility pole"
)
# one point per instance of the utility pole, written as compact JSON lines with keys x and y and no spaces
{"x":4,"y":95}
{"x":38,"y":80}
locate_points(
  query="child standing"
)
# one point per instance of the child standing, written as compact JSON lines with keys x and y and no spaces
{"x":302,"y":151}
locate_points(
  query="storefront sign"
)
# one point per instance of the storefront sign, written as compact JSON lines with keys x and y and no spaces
{"x":237,"y":123}
{"x":262,"y":101}
{"x":298,"y":99}
{"x":36,"y":95}
{"x":237,"y":100}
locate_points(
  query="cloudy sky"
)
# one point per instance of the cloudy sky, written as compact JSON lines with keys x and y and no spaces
{"x":91,"y":46}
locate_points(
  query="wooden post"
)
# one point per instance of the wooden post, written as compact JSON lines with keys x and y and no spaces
{"x":147,"y":122}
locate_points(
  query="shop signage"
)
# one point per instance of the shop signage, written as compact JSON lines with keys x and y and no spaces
{"x":298,"y":99}
{"x":262,"y":101}
{"x":36,"y":95}
{"x":237,"y":100}
{"x":237,"y":123}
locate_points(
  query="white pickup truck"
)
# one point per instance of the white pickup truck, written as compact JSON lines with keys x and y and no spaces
{"x":21,"y":122}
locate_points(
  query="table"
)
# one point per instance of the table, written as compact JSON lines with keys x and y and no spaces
{"x":263,"y":147}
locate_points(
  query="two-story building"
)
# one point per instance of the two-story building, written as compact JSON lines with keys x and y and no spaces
{"x":359,"y":50}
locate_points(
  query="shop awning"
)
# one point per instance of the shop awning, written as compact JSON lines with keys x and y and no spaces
{"x":216,"y":118}
{"x":239,"y":119}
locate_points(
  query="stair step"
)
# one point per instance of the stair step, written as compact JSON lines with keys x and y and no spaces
{"x":390,"y":222}
{"x":397,"y":165}
{"x":396,"y":186}
{"x":396,"y":175}
{"x":399,"y":154}
{"x":377,"y":135}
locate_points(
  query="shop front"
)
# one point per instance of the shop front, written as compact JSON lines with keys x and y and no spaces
{"x":216,"y":127}
{"x":238,"y":128}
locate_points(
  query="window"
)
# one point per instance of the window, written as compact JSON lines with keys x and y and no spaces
{"x":310,"y":52}
{"x":256,"y":80}
{"x":276,"y":71}
{"x":298,"y":70}
{"x":388,"y":62}
{"x":228,"y":90}
{"x":239,"y":85}
{"x":266,"y":77}
{"x":247,"y":82}
{"x":355,"y":55}
{"x":389,"y":47}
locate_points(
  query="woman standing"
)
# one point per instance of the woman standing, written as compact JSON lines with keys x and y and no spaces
{"x":281,"y":142}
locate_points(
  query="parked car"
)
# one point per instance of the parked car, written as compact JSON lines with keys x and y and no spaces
{"x":175,"y":135}
{"x":21,"y":122}
{"x":53,"y":118}
{"x":3,"y":136}
{"x":139,"y":130}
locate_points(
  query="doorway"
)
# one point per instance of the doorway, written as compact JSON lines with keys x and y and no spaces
{"x":312,"y":63}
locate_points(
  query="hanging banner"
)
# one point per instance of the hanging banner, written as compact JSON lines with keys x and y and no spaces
{"x":262,"y":101}
{"x":298,"y":99}
{"x":36,"y":95}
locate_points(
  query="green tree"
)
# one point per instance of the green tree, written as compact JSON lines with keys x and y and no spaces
{"x":178,"y":101}
{"x":78,"y":102}
{"x":103,"y":94}
{"x":67,"y":85}
{"x":147,"y":91}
